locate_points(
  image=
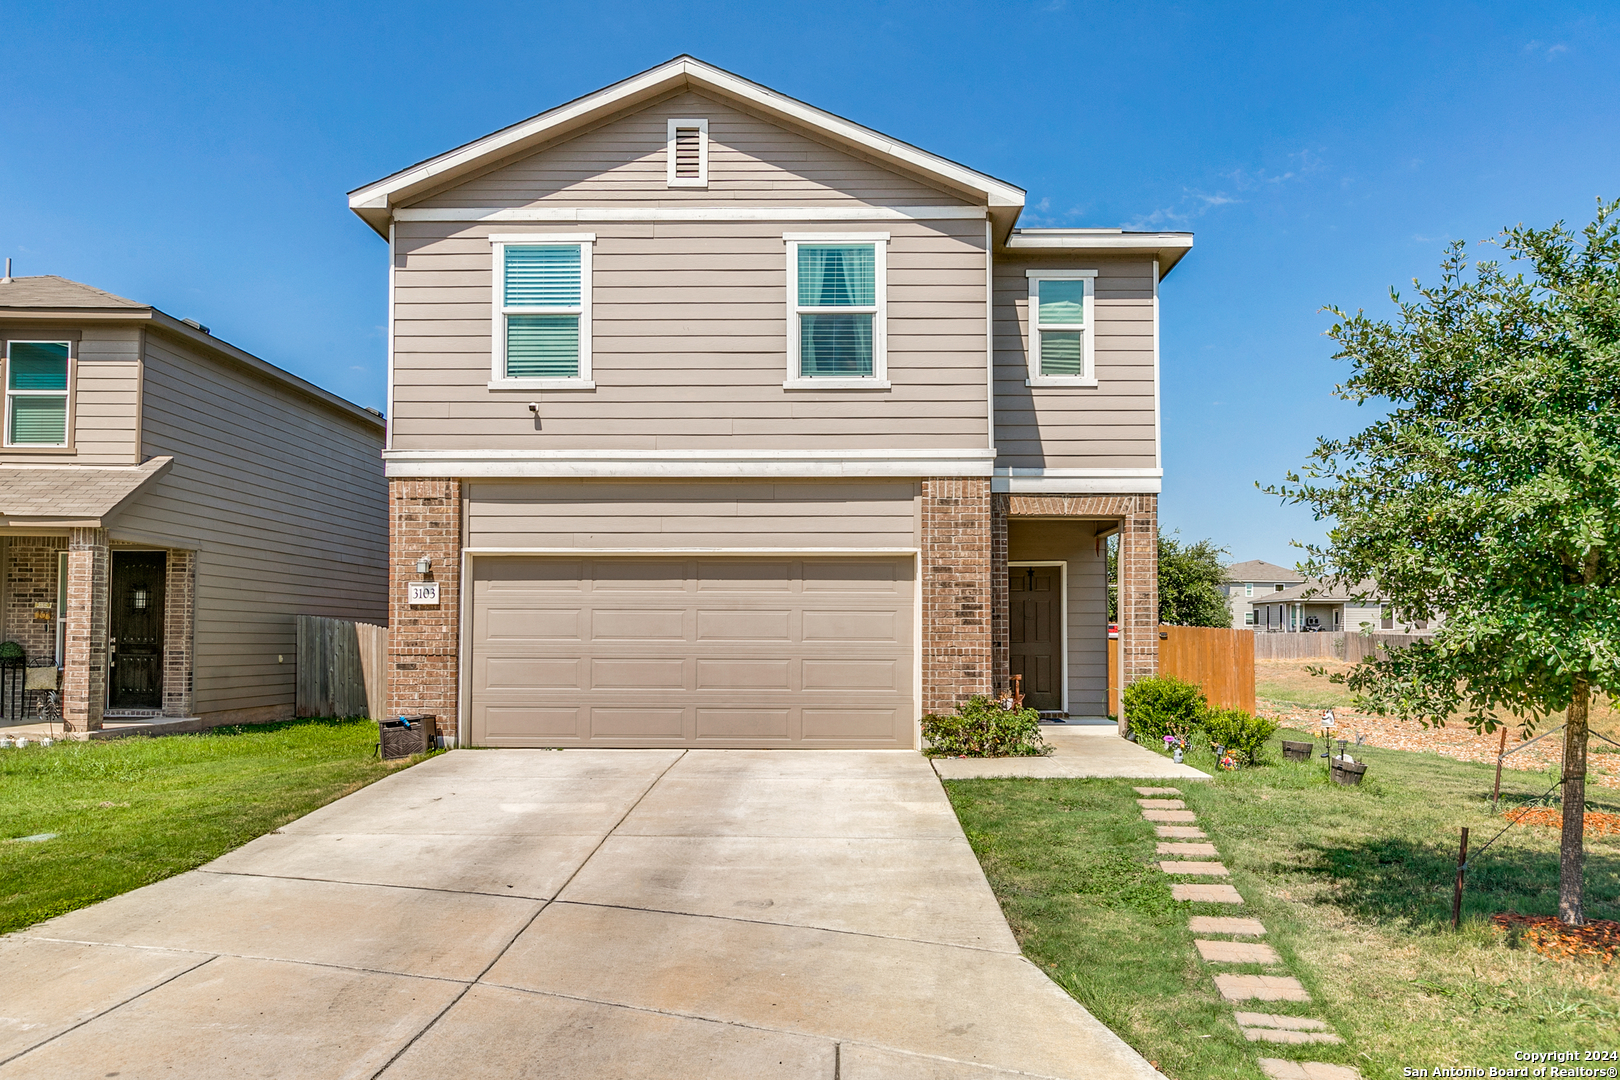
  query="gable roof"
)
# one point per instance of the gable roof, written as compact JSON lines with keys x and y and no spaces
{"x":375,"y":202}
{"x":1260,"y":570}
{"x":47,"y":296}
{"x":1318,"y":591}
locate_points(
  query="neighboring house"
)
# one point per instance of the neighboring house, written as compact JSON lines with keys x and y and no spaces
{"x":1316,"y":607}
{"x":719,"y":420}
{"x":1249,"y":583}
{"x":168,"y":503}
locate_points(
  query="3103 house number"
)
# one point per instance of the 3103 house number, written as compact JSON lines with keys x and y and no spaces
{"x":423,"y":592}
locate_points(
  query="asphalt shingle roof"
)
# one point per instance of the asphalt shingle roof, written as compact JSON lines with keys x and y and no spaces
{"x":72,"y":492}
{"x":1259,"y":570}
{"x":51,"y":291}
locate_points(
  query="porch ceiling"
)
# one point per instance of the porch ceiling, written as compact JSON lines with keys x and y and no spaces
{"x":62,"y":496}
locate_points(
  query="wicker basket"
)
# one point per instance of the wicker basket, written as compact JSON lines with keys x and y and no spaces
{"x":397,"y":740}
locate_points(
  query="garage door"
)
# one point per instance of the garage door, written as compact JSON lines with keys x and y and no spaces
{"x":692,"y":652}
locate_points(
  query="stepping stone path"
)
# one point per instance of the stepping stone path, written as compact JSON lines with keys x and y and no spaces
{"x":1174,"y":822}
{"x":1237,"y":952}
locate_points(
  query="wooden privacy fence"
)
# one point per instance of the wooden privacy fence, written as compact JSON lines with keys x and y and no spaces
{"x":1220,"y":661}
{"x":1339,"y":645}
{"x":342,"y":668}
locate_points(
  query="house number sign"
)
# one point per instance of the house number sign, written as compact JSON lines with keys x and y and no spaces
{"x":423,"y":592}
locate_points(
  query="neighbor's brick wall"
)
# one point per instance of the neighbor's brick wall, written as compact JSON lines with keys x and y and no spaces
{"x":179,"y":614}
{"x":424,"y":518}
{"x":84,"y":682}
{"x":30,"y":579}
{"x":957,"y":605}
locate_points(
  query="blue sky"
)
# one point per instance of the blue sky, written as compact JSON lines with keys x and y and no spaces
{"x":196,"y":156}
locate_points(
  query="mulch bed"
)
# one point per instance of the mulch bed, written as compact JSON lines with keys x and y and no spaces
{"x":1598,"y":940}
{"x":1597,"y":823}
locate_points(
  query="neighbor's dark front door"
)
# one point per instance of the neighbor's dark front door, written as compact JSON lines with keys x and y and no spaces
{"x":135,"y":630}
{"x":1037,"y":634}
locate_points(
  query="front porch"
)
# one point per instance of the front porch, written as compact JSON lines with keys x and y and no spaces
{"x":105,"y":625}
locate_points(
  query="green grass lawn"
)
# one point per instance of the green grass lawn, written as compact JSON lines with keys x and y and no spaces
{"x":1354,"y":886}
{"x":128,"y":812}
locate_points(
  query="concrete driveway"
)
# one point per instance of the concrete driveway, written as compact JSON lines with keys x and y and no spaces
{"x":578,"y":914}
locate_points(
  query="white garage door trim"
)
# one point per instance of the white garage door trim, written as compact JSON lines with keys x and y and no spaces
{"x":464,"y":635}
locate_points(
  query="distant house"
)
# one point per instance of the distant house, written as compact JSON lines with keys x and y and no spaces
{"x":1247,"y":581}
{"x":1315,"y":606}
{"x":168,"y":504}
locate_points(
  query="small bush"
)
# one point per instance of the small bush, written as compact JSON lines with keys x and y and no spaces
{"x":1243,"y":734}
{"x":1162,"y":706}
{"x":982,"y":728}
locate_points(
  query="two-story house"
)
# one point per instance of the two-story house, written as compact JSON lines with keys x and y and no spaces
{"x":718,"y":420}
{"x":1250,"y":583}
{"x":168,"y":504}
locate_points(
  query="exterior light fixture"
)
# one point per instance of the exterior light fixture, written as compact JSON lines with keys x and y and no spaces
{"x":424,"y":566}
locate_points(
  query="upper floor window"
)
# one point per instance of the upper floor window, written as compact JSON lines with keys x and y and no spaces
{"x":542,"y":330}
{"x":37,"y":393}
{"x":1248,"y":589}
{"x":1060,"y":327}
{"x":837,"y":321}
{"x":688,"y":153}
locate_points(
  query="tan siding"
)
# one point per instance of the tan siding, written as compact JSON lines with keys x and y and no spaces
{"x":284,"y":502}
{"x":689,"y":341}
{"x":863,"y":515}
{"x":107,"y":382}
{"x":751,"y":161}
{"x":1110,"y":425}
{"x":1074,"y":542}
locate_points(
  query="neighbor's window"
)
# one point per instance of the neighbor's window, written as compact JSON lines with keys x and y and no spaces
{"x":1060,"y":317}
{"x":542,"y":318}
{"x":1248,"y":618}
{"x":36,"y":393}
{"x":837,"y":323}
{"x":1248,"y":590}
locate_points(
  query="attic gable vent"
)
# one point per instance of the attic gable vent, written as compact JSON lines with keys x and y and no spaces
{"x":688,"y":153}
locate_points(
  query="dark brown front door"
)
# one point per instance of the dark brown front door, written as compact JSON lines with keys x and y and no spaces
{"x":135,"y":630}
{"x":1037,"y":634}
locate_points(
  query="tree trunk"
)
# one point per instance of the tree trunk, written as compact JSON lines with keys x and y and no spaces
{"x":1571,"y":854}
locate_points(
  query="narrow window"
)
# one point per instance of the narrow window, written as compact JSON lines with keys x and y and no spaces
{"x":1248,"y":590}
{"x":1386,"y":618}
{"x":542,"y":321}
{"x":36,"y":393}
{"x":1060,"y":316}
{"x":61,"y":603}
{"x":1248,"y":618}
{"x":1280,"y":588}
{"x":836,"y":319}
{"x":688,"y":153}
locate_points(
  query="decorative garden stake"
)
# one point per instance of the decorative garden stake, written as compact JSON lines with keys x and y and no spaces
{"x":1462,"y":868}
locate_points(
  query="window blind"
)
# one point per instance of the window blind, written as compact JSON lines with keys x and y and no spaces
{"x":542,"y":346}
{"x":39,"y":421}
{"x":542,"y":276}
{"x":37,"y":365}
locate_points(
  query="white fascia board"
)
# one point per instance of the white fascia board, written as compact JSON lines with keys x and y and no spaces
{"x":676,"y":464}
{"x":694,"y":73}
{"x":674,"y":550}
{"x":1102,"y":241}
{"x":689,"y":213}
{"x":1077,"y":481}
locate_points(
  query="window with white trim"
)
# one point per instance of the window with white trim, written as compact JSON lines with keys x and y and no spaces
{"x":688,"y":153}
{"x":1248,"y":589}
{"x":37,"y":393}
{"x":542,"y":328}
{"x":1248,"y":618}
{"x":837,"y":312}
{"x":1061,"y":349}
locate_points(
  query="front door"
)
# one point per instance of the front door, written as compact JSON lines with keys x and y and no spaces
{"x":1037,"y":634}
{"x":135,"y":630}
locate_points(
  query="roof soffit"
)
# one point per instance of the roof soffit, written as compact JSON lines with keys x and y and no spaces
{"x":374,"y":202}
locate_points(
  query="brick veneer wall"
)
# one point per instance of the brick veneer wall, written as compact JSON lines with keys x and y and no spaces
{"x":1138,"y":571}
{"x":84,"y":678}
{"x":31,"y":579}
{"x":957,"y":605}
{"x":424,"y":518}
{"x":1000,"y":599}
{"x":179,"y":613}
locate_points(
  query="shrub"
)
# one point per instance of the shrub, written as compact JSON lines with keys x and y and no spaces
{"x":10,"y":650}
{"x":1162,"y":706}
{"x":1243,"y":734}
{"x":982,"y":728}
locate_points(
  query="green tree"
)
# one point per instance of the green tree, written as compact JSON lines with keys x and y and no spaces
{"x":1190,"y":581}
{"x":1490,"y":492}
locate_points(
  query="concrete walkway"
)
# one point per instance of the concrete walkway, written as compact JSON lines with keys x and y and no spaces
{"x":579,"y":914}
{"x":1078,"y":750}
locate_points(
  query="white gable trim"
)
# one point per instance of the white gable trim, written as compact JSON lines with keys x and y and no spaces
{"x":691,"y":213}
{"x":684,"y":70}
